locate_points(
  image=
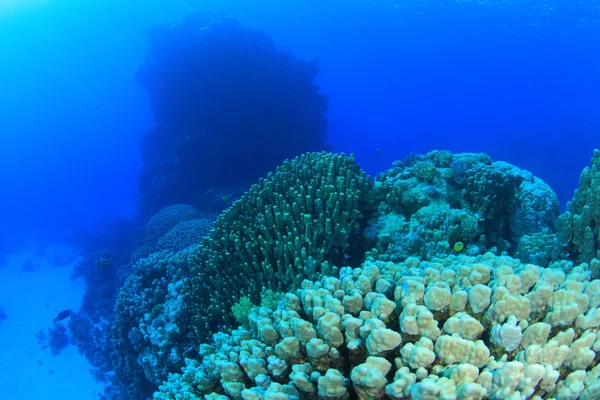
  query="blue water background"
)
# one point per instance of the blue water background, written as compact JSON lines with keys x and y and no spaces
{"x":517,"y":80}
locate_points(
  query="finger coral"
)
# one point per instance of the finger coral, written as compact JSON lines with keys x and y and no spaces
{"x":532,"y":333}
{"x":298,"y":223}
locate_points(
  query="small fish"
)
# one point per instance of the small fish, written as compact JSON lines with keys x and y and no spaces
{"x":64,"y":314}
{"x":102,"y":262}
{"x":377,"y":153}
{"x":223,"y":198}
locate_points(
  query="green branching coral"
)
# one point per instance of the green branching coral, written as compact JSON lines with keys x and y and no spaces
{"x":241,"y":310}
{"x":298,"y":223}
{"x":293,"y":225}
{"x":315,"y":214}
{"x":270,"y":299}
{"x":579,"y":226}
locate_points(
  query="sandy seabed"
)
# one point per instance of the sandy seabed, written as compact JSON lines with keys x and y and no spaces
{"x":31,"y":301}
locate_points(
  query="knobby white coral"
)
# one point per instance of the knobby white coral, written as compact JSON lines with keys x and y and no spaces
{"x":458,"y":328}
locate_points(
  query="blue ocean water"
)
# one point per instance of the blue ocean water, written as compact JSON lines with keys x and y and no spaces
{"x":517,"y":80}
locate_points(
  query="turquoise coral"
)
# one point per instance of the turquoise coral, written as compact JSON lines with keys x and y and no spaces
{"x":579,"y":226}
{"x":305,"y":231}
{"x":295,"y":224}
{"x":493,"y":204}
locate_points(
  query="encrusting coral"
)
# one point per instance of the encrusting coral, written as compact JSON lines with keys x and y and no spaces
{"x":431,"y":202}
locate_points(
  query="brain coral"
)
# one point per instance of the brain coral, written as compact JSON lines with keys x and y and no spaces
{"x":166,"y":219}
{"x":184,"y":234}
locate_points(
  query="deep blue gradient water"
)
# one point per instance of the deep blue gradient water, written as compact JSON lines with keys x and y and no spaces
{"x":518,"y":80}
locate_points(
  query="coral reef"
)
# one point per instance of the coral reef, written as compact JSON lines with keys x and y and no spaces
{"x":454,"y":328}
{"x":166,"y":219}
{"x":297,"y":223}
{"x":402,"y":288}
{"x":184,"y":234}
{"x":174,"y":228}
{"x":151,"y":330}
{"x":56,"y":340}
{"x":228,"y":107}
{"x":579,"y":226}
{"x":432,"y":201}
{"x":540,"y":248}
{"x":107,"y":262}
{"x":317,"y":213}
{"x":92,"y":338}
